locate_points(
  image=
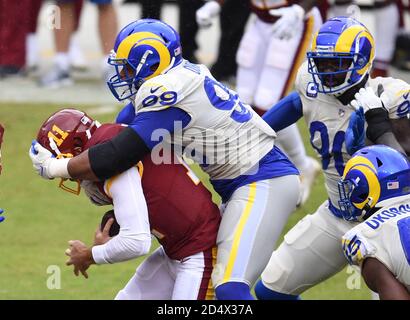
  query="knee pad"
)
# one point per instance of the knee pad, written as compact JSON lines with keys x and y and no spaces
{"x":233,"y":291}
{"x":264,"y":293}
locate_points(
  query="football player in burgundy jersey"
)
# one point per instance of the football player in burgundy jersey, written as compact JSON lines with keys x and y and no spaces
{"x":167,"y":201}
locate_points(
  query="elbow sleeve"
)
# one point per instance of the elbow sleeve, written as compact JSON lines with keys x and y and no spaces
{"x":118,"y":154}
{"x":378,"y":124}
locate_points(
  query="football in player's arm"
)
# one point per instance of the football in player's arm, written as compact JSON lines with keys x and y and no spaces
{"x":375,"y":190}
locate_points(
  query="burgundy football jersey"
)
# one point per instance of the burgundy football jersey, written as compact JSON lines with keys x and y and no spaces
{"x":181,"y":213}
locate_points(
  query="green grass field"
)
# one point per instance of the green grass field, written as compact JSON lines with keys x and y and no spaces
{"x":40,"y":219}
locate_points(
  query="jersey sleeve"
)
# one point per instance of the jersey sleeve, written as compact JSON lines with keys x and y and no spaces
{"x":286,"y":112}
{"x":153,"y":126}
{"x":160,"y":93}
{"x":398,"y":93}
{"x":130,"y":209}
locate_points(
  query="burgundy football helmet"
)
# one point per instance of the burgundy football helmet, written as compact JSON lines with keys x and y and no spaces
{"x":65,"y":134}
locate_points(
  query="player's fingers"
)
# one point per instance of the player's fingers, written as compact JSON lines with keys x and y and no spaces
{"x":380,"y":90}
{"x":84,"y":273}
{"x":108,"y":225}
{"x":76,"y":271}
{"x":68,"y":252}
{"x":354,"y":104}
{"x":69,"y":262}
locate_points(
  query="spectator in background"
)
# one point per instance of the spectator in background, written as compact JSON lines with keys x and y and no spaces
{"x":60,"y":73}
{"x":14,"y":26}
{"x":150,"y":8}
{"x":188,"y":27}
{"x":1,"y":167}
{"x":233,"y":18}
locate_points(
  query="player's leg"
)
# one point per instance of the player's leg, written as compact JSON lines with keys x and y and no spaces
{"x":385,"y":36}
{"x":251,"y":224}
{"x":193,"y":277}
{"x":59,"y":75}
{"x":249,"y":58}
{"x":151,"y":281}
{"x":108,"y":27}
{"x":310,"y":253}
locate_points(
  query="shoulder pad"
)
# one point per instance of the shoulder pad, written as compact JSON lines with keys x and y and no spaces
{"x":158,"y":93}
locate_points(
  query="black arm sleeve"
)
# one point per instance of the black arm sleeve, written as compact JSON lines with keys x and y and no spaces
{"x":378,"y":123}
{"x":117,"y":155}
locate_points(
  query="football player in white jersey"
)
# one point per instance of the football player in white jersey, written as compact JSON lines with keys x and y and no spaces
{"x":269,"y":55}
{"x":336,"y":73}
{"x":375,"y":190}
{"x":181,"y":104}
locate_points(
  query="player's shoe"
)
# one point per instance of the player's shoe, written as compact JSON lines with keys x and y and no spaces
{"x":56,"y":78}
{"x":76,"y":57}
{"x":307,"y":178}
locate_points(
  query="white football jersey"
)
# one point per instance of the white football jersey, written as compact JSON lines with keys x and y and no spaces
{"x":385,"y":236}
{"x":327,"y":120}
{"x":224,"y":134}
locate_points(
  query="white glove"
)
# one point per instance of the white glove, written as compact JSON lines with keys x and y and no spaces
{"x":290,"y":18}
{"x":45,"y":164}
{"x":94,"y":193}
{"x":205,"y":14}
{"x":368,"y":99}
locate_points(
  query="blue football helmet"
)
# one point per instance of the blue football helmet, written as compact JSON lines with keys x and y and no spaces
{"x":341,"y":56}
{"x":373,"y":174}
{"x":143,"y":49}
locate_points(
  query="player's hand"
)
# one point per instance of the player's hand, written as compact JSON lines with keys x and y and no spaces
{"x":41,"y":159}
{"x":103,"y":236}
{"x":206,"y":13}
{"x":368,"y":99}
{"x":355,"y":247}
{"x":290,"y":18}
{"x":355,"y":133}
{"x":94,"y":194}
{"x":1,"y":217}
{"x":80,"y":257}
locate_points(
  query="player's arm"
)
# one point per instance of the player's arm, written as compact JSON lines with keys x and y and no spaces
{"x":401,"y":130}
{"x":126,"y":115}
{"x":131,"y":213}
{"x":379,"y":279}
{"x":115,"y":156}
{"x":284,"y":113}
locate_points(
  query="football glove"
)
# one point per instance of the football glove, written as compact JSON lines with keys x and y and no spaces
{"x":45,"y":164}
{"x":355,"y":133}
{"x":1,"y":217}
{"x":94,"y":194}
{"x":356,"y":247}
{"x":368,"y":99}
{"x":289,"y":22}
{"x":206,"y":13}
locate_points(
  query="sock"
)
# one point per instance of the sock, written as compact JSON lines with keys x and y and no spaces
{"x":264,"y":293}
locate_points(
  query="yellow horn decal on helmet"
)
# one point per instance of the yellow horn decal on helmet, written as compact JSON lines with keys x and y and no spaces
{"x":346,"y":41}
{"x":369,"y":37}
{"x":374,"y":186}
{"x":164,"y":55}
{"x":129,"y":42}
{"x":357,"y":160}
{"x":314,"y":41}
